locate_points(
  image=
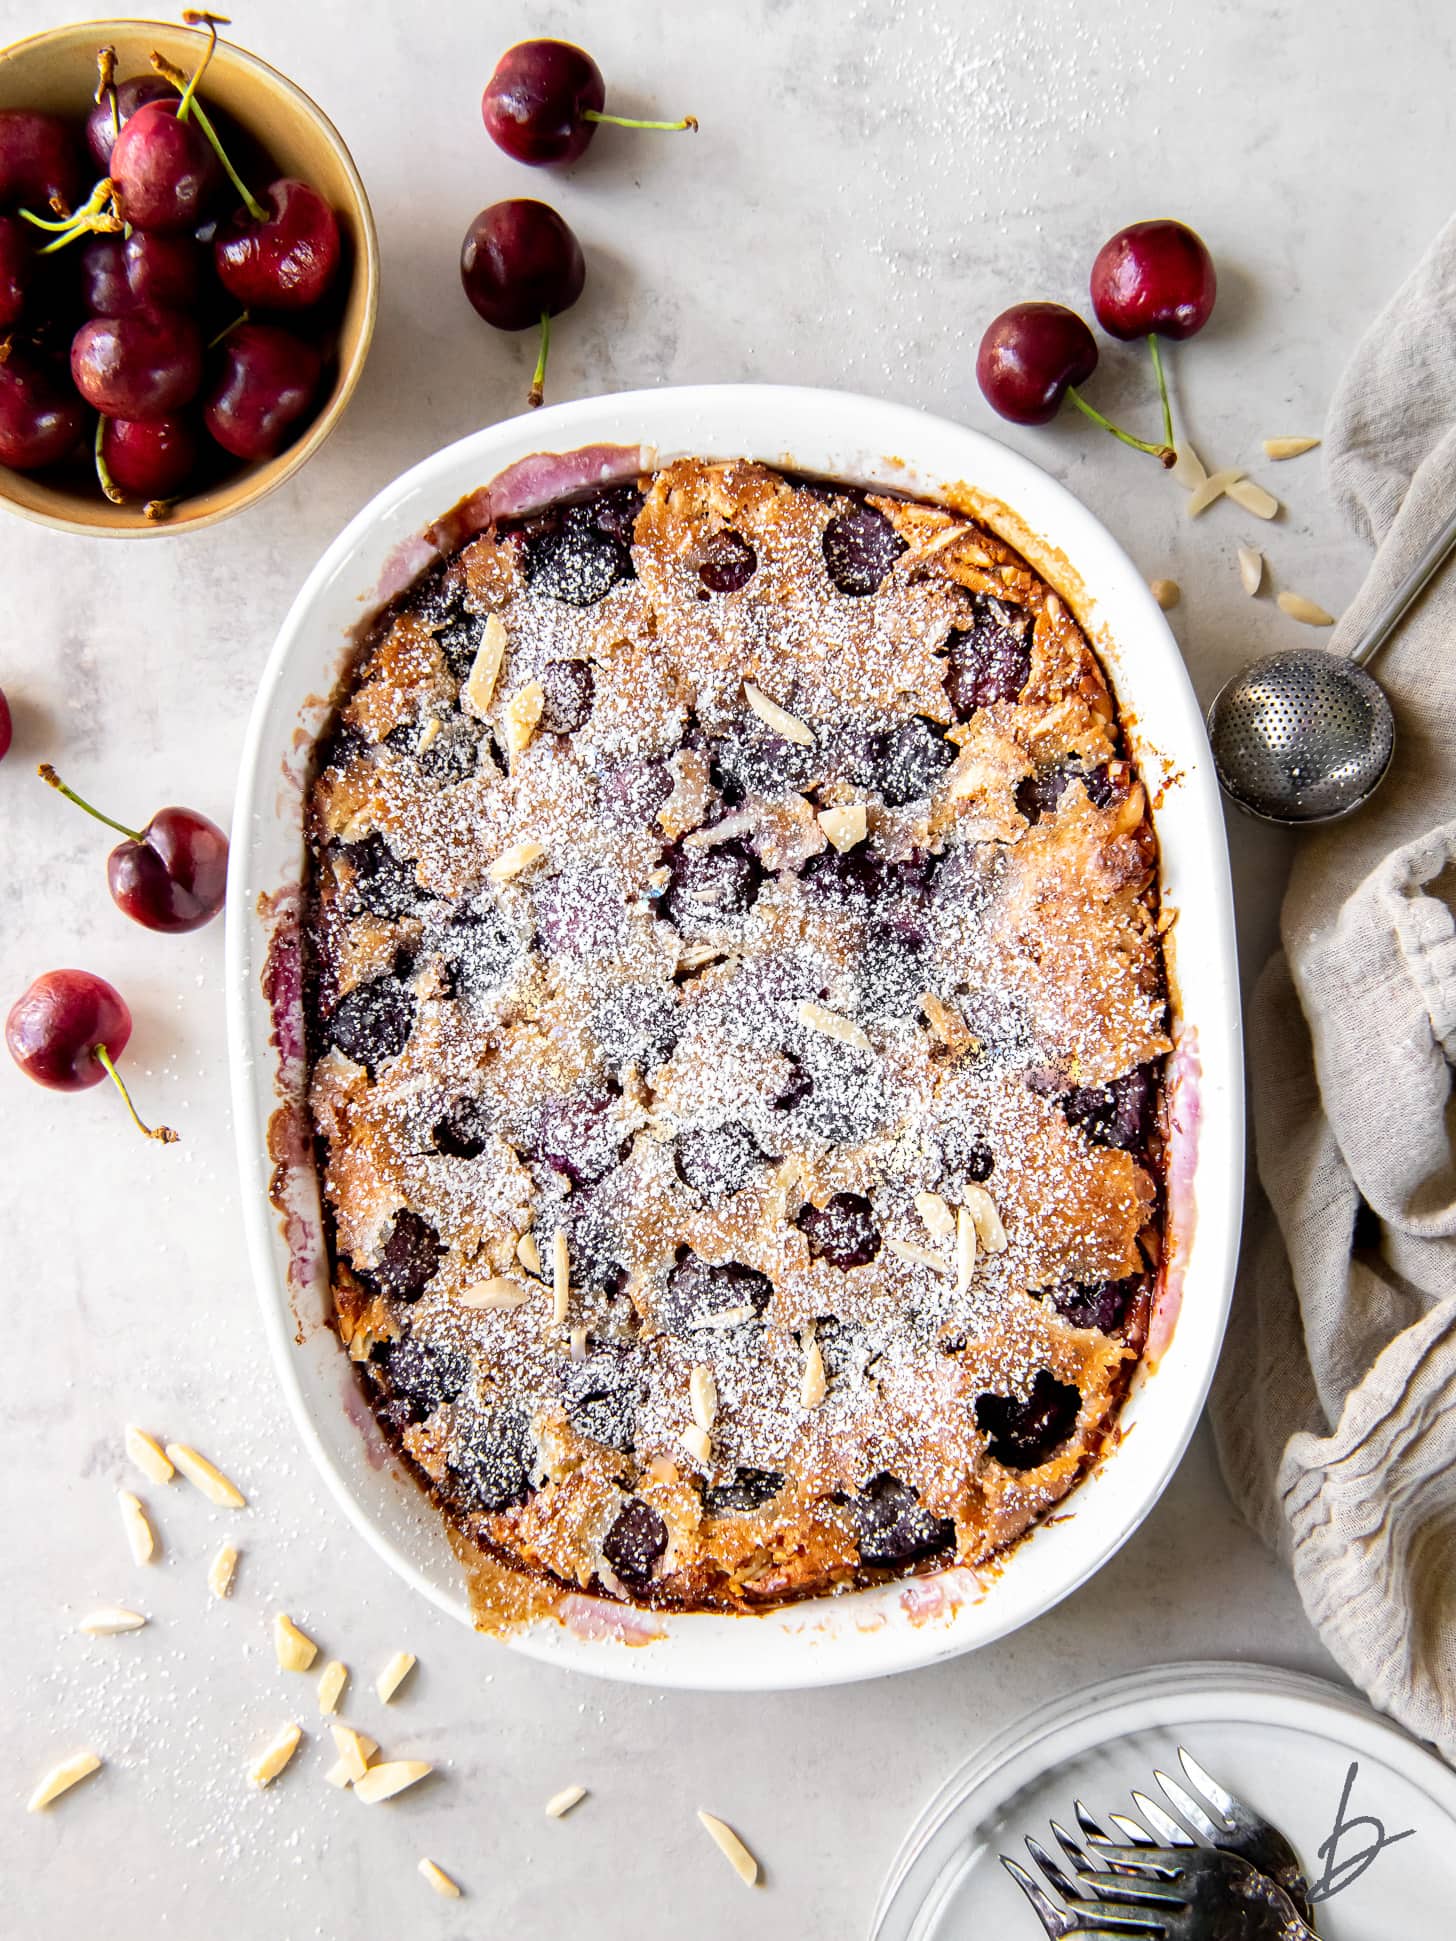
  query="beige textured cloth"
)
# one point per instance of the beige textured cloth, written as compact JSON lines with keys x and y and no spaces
{"x":1335,"y":1404}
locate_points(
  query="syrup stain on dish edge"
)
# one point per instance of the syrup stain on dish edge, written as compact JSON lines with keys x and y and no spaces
{"x":501,"y":1598}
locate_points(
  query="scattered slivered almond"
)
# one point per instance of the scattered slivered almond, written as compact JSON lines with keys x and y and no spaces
{"x":982,"y":1209}
{"x":1251,"y":569}
{"x":139,"y":1532}
{"x":719,"y":832}
{"x":394,"y":1674}
{"x":844,"y":827}
{"x":523,"y":713}
{"x":355,"y":1750}
{"x":499,"y":1291}
{"x":1253,"y":498}
{"x":779,"y":719}
{"x":515,"y":861}
{"x":1213,"y":487}
{"x":1189,"y":470}
{"x":220,"y":1570}
{"x":703,"y":1396}
{"x":109,"y":1620}
{"x":698,"y":1443}
{"x":662,"y":1469}
{"x":61,"y":1778}
{"x":528,"y":1253}
{"x":148,"y":1455}
{"x":560,"y":1804}
{"x":560,"y":1278}
{"x":1298,"y":608}
{"x":383,"y":1782}
{"x":1167,"y":593}
{"x":295,"y":1650}
{"x":207,"y":1477}
{"x":1288,"y":447}
{"x":815,"y":1385}
{"x":724,"y":1317}
{"x":937,"y":1216}
{"x":338,"y":1775}
{"x":332,"y":1680}
{"x":275,"y":1755}
{"x":946,"y":1022}
{"x":578,"y":1344}
{"x":917,"y":1256}
{"x":441,"y":1882}
{"x":479,"y":689}
{"x":731,"y":1847}
{"x":965,"y":1249}
{"x":817,"y":1018}
{"x":429,"y":735}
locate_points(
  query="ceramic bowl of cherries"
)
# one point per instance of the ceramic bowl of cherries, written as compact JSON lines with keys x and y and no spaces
{"x":188,"y":277}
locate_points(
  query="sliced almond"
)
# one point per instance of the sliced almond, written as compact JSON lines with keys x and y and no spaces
{"x":721,"y":832}
{"x":725,"y":1317}
{"x":441,"y":1882}
{"x":528,"y":1253}
{"x":295,"y":1650}
{"x":479,"y":689}
{"x":383,"y":1782}
{"x":698,"y":1443}
{"x":815,"y":1385}
{"x":560,"y":1279}
{"x":394,"y":1674}
{"x":662,"y":1469}
{"x":916,"y":1255}
{"x":148,"y":1455}
{"x":936,"y":1214}
{"x":515,"y":861}
{"x":779,"y":719}
{"x":338,"y":1775}
{"x":1288,"y":447}
{"x":982,"y":1208}
{"x":1253,"y":498}
{"x":1251,"y":570}
{"x":731,"y":1847}
{"x":109,"y":1620}
{"x":560,"y":1804}
{"x":220,"y":1570}
{"x":703,"y":1395}
{"x":355,"y":1750}
{"x":1167,"y":593}
{"x":61,"y":1778}
{"x":578,"y":1344}
{"x":275,"y":1755}
{"x":429,"y":735}
{"x":1213,"y":487}
{"x":332,"y":1680}
{"x":817,"y":1018}
{"x":207,"y":1477}
{"x":139,"y":1532}
{"x":1189,"y":470}
{"x":845,"y":827}
{"x":965,"y":1249}
{"x":1298,"y":608}
{"x":522,"y":715}
{"x":497,"y":1292}
{"x":946,"y":1022}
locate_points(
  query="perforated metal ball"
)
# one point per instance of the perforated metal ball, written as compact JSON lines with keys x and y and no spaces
{"x":1303,"y":736}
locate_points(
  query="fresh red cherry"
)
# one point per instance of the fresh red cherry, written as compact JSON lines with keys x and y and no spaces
{"x":269,"y":379}
{"x":5,"y":726}
{"x":1036,"y":354}
{"x":17,"y":269}
{"x":67,"y":1032}
{"x":41,"y":418}
{"x":147,"y":365}
{"x":148,"y":458}
{"x":147,"y":270}
{"x":286,"y":260}
{"x":545,"y":99}
{"x":1153,"y":278}
{"x":170,"y":876}
{"x":40,"y":163}
{"x":164,"y":169}
{"x":103,"y":125}
{"x":521,"y":265}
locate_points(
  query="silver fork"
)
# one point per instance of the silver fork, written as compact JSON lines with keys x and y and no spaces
{"x":1182,"y":1893}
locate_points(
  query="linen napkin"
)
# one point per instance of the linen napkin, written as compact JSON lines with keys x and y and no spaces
{"x":1335,"y":1403}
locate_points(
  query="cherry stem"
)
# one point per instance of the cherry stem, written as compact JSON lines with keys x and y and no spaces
{"x":156,"y":510}
{"x":48,"y":774}
{"x":165,"y":1133}
{"x":117,"y":497}
{"x":198,"y":20}
{"x":180,"y":81}
{"x":1162,"y":388}
{"x":622,"y":121}
{"x":227,"y":330}
{"x":537,"y":392}
{"x":1163,"y":452}
{"x":95,"y":214}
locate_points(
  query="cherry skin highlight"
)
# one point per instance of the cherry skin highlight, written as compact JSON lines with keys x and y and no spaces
{"x":164,"y":169}
{"x":41,"y":418}
{"x":147,"y":365}
{"x":536,"y":102}
{"x":149,"y":458}
{"x":520,"y":262}
{"x":147,"y":270}
{"x":286,"y":262}
{"x":1030,"y":356}
{"x":1153,"y":279}
{"x":40,"y":164}
{"x":169,"y":876}
{"x":101,"y":130}
{"x":268,"y":381}
{"x":17,"y":270}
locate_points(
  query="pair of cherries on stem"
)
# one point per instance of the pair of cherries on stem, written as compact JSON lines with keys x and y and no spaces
{"x":521,"y":264}
{"x":1153,"y":279}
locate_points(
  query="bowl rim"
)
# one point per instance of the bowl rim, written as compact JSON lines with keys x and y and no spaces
{"x":367,"y":266}
{"x":858,"y":1635}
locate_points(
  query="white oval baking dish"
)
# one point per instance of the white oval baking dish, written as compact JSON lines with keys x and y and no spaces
{"x":891,"y":1627}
